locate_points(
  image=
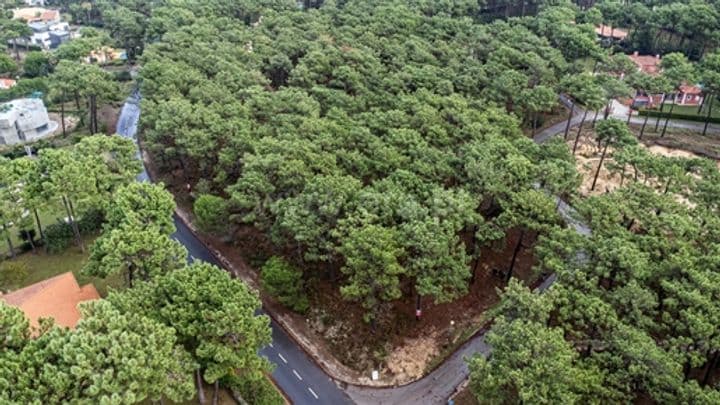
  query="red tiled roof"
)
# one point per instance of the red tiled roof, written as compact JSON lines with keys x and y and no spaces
{"x":6,"y":83}
{"x":56,"y":297}
{"x":606,"y":30}
{"x":646,"y":63}
{"x":690,"y":89}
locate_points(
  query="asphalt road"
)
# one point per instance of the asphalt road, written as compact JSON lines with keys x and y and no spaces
{"x":295,"y":373}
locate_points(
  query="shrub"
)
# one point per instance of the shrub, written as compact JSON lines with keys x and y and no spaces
{"x":91,"y":221}
{"x":123,"y":75}
{"x":255,"y":390}
{"x":284,"y":283}
{"x":211,"y":213}
{"x":58,"y":237}
{"x":12,"y":274}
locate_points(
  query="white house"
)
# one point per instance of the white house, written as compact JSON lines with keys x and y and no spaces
{"x":24,"y":120}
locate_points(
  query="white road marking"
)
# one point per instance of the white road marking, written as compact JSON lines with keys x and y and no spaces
{"x":313,"y":393}
{"x":297,"y":375}
{"x":271,"y":345}
{"x":192,"y":258}
{"x":282,"y":358}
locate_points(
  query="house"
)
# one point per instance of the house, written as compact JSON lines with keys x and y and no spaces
{"x":105,"y":55}
{"x":610,"y":33}
{"x":49,"y":35}
{"x":35,"y":3}
{"x":56,"y":298}
{"x":687,"y":94}
{"x":646,"y":63}
{"x":6,"y":83}
{"x":37,"y":14}
{"x":24,"y":120}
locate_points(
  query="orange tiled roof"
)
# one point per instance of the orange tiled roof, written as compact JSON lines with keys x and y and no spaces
{"x":606,"y":30}
{"x":56,"y":297}
{"x":647,"y":63}
{"x":6,"y":83}
{"x":690,"y":89}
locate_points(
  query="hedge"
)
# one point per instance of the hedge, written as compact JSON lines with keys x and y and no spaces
{"x":255,"y":391}
{"x":686,"y":117}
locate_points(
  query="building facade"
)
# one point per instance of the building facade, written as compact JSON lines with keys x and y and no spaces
{"x":24,"y":120}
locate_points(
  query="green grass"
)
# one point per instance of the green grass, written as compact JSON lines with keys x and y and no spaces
{"x":49,"y":215}
{"x":42,"y":266}
{"x":693,"y":110}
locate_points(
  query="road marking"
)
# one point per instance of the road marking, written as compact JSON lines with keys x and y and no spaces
{"x":297,"y":375}
{"x":313,"y":393}
{"x":192,"y":258}
{"x":282,"y":358}
{"x":271,"y":345}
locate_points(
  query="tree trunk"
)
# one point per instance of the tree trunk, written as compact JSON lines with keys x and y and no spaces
{"x":30,"y":240}
{"x":201,"y":393}
{"x":534,"y":124}
{"x":9,"y":242}
{"x":216,"y":391}
{"x":509,"y":274}
{"x":597,"y":173}
{"x":39,"y":226}
{"x":567,"y":127}
{"x":702,"y":104}
{"x":71,"y":216}
{"x":667,"y":120}
{"x":709,"y":114}
{"x":62,"y":113}
{"x":595,"y":118}
{"x":662,"y":107}
{"x":711,"y":366}
{"x":577,"y":138}
{"x":642,"y":130}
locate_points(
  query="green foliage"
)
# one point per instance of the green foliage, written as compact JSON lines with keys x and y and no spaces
{"x":58,"y":237}
{"x":14,"y":329}
{"x":211,"y":213}
{"x":255,"y":390}
{"x":284,"y":283}
{"x":110,"y":357}
{"x":213,"y":315}
{"x":7,"y":65}
{"x":36,"y":64}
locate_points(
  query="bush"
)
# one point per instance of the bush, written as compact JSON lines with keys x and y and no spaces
{"x":12,"y":274}
{"x":211,"y":213}
{"x":91,"y":221}
{"x":58,"y":237}
{"x":255,"y":390}
{"x":123,"y":76}
{"x":284,"y":283}
{"x":677,"y":116}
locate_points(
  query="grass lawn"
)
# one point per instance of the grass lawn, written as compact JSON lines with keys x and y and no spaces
{"x":49,"y":215}
{"x":692,"y":110}
{"x":42,"y":266}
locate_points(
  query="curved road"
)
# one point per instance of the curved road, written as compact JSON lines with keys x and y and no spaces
{"x":300,"y":378}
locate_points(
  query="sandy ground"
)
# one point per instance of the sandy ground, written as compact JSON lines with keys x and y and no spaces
{"x":588,"y":158}
{"x":71,"y":122}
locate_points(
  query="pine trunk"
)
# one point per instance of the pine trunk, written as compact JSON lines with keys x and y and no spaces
{"x":642,"y":130}
{"x":216,"y":392}
{"x":509,"y":274}
{"x":201,"y":393}
{"x":709,"y":114}
{"x":62,"y":113}
{"x":71,"y":217}
{"x":662,"y":107}
{"x":39,"y":226}
{"x":577,"y":138}
{"x":567,"y":127}
{"x":11,"y":248}
{"x":667,"y":120}
{"x":597,"y":173}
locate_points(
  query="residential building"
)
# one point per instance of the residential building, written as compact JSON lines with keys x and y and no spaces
{"x":105,"y":55}
{"x":606,"y":32}
{"x":56,"y":298}
{"x":37,"y":14}
{"x":648,"y":64}
{"x":6,"y":83}
{"x":35,"y":3}
{"x":24,"y":120}
{"x":49,"y":35}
